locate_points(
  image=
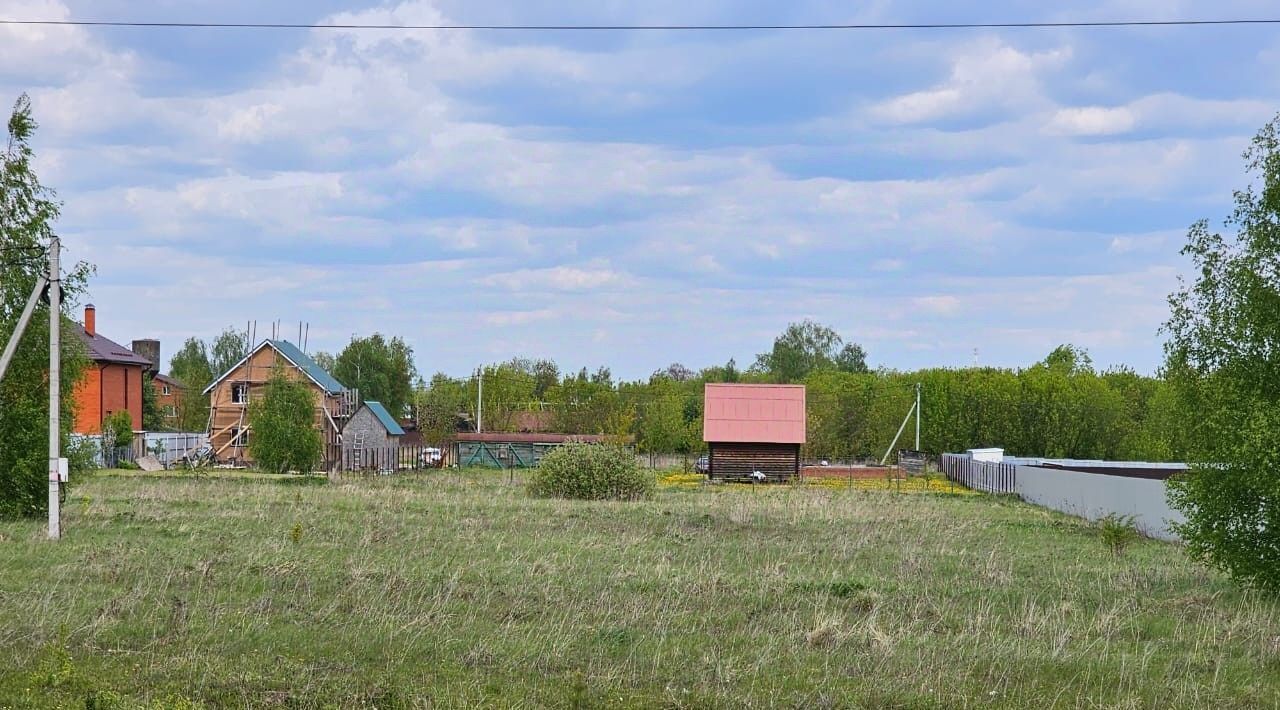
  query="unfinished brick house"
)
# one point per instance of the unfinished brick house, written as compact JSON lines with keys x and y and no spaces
{"x":230,"y":395}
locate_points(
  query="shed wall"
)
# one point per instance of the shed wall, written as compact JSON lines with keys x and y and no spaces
{"x":737,"y":461}
{"x":363,"y":422}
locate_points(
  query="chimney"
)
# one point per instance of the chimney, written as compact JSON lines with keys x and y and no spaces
{"x":150,"y":349}
{"x":90,"y":320}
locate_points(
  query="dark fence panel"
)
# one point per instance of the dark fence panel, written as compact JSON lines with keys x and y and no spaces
{"x":389,"y":459}
{"x":983,"y":476}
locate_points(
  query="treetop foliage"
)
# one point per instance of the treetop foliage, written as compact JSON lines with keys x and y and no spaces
{"x":28,"y":211}
{"x":283,"y":436}
{"x":381,"y":368}
{"x":1223,"y":368}
{"x":806,"y":347}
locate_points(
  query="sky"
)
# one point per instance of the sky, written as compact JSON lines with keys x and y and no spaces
{"x":633,"y":199}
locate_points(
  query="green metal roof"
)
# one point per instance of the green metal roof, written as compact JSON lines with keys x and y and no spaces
{"x":304,"y":361}
{"x":389,"y":422}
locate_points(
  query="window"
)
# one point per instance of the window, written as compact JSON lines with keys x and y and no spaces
{"x":240,"y":437}
{"x":164,"y":390}
{"x":240,"y":393}
{"x":171,"y":411}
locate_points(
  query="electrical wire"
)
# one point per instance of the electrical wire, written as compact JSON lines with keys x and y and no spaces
{"x":649,"y":28}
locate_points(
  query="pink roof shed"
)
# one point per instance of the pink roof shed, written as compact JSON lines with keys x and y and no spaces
{"x":772,"y":414}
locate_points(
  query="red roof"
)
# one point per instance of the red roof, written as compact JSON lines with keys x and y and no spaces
{"x":765,"y":414}
{"x":533,"y":438}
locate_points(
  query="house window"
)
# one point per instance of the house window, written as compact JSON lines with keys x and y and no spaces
{"x":240,"y":393}
{"x":240,"y":437}
{"x":164,"y":390}
{"x":171,"y":410}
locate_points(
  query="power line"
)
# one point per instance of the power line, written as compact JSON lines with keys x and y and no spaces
{"x":648,"y":28}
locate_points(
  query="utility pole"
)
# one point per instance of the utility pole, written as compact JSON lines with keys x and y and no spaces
{"x":480,"y":401}
{"x":917,"y":416}
{"x":57,"y":465}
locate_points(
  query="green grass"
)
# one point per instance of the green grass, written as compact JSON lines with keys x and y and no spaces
{"x":458,"y":590}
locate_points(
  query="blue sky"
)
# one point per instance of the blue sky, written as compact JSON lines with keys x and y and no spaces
{"x":634,"y":199}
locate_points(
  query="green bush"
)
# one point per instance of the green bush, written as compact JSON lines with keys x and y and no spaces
{"x":591,"y":472}
{"x":117,"y":429}
{"x":1118,"y":532}
{"x":283,"y":434}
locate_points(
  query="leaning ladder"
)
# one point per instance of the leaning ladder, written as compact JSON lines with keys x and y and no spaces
{"x":357,"y":457}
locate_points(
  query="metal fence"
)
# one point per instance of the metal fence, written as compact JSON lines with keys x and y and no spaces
{"x":387,"y":459}
{"x":168,"y":447}
{"x":980,"y":475}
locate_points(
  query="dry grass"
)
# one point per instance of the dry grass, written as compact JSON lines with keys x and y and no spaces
{"x":457,"y":590}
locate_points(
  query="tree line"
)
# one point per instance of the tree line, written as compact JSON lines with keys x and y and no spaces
{"x":1060,"y":407}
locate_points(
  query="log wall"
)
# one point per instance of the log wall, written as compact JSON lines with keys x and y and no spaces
{"x":737,"y":461}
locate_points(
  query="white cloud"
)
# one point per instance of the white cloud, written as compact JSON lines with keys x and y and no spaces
{"x":509,"y":318}
{"x":250,"y":124}
{"x":401,"y":153}
{"x":986,"y":75}
{"x":1091,"y":121}
{"x":558,"y":278}
{"x":938,"y":305}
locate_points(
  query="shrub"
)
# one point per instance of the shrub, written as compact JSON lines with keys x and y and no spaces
{"x":283,"y":434}
{"x":1117,"y":532}
{"x":117,"y":429}
{"x":591,"y":472}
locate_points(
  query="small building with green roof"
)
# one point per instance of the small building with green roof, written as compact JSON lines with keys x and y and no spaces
{"x":369,"y":435}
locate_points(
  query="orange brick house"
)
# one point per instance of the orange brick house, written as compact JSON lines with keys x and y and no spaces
{"x":113,"y":382}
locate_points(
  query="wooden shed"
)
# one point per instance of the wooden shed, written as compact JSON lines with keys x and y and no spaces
{"x":754,"y":432}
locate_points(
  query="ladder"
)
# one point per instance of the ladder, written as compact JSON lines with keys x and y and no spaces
{"x":357,"y":443}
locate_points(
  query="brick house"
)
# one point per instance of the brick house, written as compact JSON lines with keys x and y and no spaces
{"x":169,"y":394}
{"x":112,"y":383}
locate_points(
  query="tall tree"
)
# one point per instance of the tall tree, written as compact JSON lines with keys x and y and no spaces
{"x":325,"y":360}
{"x":808,"y":346}
{"x":1223,"y":360}
{"x":545,"y":374}
{"x":675,"y":372}
{"x":152,"y":417}
{"x":437,"y":407}
{"x":851,"y":358}
{"x":227,"y":349}
{"x":190,"y":366}
{"x":283,"y":436}
{"x":382,"y":369}
{"x":28,"y":210}
{"x":660,"y":423}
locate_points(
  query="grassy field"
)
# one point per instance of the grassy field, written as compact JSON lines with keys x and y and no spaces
{"x":457,"y":590}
